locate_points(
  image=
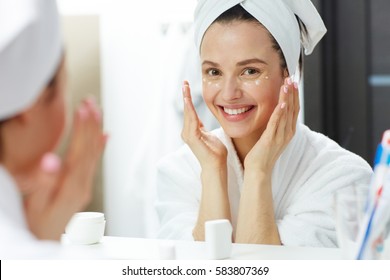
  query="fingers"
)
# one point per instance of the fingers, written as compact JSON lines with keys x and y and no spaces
{"x":192,"y":124}
{"x":89,"y":140}
{"x":96,"y":138}
{"x":86,"y":146}
{"x":296,"y":105}
{"x":288,"y":131}
{"x":206,"y":147}
{"x":87,"y":136}
{"x":282,"y":124}
{"x":50,"y":163}
{"x":290,"y":96}
{"x":277,"y":121}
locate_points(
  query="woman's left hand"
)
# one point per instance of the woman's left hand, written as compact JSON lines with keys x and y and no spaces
{"x":54,"y":191}
{"x":256,"y":209}
{"x":280,"y":130}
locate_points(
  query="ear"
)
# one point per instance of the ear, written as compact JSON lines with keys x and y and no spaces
{"x":25,"y":117}
{"x":285,"y":73}
{"x":29,"y":114}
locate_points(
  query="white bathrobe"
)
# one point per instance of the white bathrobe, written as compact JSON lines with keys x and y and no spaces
{"x":304,"y":180}
{"x":16,"y":241}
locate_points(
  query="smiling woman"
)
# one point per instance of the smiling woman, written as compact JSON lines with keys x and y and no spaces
{"x":272,"y":178}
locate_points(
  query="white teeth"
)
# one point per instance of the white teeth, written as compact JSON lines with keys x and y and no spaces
{"x":236,"y":111}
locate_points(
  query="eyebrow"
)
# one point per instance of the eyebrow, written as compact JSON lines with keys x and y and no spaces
{"x":252,"y":60}
{"x":210,"y":62}
{"x":241,"y":63}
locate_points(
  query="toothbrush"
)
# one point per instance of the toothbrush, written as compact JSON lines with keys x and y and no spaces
{"x":382,"y":163}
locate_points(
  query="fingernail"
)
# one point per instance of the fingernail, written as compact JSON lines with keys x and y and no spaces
{"x":83,"y":113}
{"x":289,"y":81}
{"x":285,"y":89}
{"x":105,"y":138}
{"x":283,"y":105}
{"x":50,"y":163}
{"x":296,"y":85}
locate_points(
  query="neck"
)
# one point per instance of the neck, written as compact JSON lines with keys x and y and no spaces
{"x":245,"y":144}
{"x":23,"y":175}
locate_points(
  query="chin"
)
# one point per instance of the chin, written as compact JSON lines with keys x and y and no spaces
{"x":236,"y":132}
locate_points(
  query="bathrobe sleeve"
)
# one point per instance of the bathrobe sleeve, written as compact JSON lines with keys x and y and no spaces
{"x":309,"y":174}
{"x":178,"y":194}
{"x":16,"y":240}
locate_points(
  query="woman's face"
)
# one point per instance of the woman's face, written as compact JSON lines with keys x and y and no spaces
{"x":53,"y":110}
{"x":242,"y":76}
{"x":37,"y":130}
{"x":48,"y":117}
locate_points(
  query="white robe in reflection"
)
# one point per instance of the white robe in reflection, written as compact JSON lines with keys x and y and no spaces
{"x":304,"y":180}
{"x":16,"y":241}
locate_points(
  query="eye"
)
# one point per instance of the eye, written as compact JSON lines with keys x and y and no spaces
{"x":213,"y":72}
{"x":251,"y":71}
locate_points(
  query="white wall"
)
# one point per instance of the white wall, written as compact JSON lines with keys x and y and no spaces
{"x":133,"y":49}
{"x":140,"y":61}
{"x":79,"y":7}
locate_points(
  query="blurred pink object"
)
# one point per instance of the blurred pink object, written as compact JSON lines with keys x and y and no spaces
{"x":50,"y":163}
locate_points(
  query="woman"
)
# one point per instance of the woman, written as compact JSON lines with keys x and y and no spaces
{"x":272,"y":178}
{"x":38,"y":193}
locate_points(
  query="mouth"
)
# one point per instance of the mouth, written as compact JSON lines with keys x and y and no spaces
{"x":237,"y":111}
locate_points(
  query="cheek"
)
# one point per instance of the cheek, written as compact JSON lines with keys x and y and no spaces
{"x":208,"y":99}
{"x":274,"y":95}
{"x":262,"y":91}
{"x":260,"y":82}
{"x":210,"y":84}
{"x":210,"y":90}
{"x":61,"y":115}
{"x":58,"y":117}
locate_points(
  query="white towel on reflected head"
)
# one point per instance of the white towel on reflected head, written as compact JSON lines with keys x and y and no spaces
{"x":30,"y":52}
{"x":278,"y":16}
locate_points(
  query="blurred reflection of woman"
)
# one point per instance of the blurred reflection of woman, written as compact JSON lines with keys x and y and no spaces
{"x":38,"y":193}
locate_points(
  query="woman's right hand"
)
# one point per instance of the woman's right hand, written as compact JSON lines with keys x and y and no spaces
{"x":212,"y":156}
{"x":208,"y":149}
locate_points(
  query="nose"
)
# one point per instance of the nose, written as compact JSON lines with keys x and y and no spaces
{"x":231,"y":89}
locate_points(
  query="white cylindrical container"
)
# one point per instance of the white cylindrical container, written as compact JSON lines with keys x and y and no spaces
{"x":218,"y":237}
{"x":86,"y":228}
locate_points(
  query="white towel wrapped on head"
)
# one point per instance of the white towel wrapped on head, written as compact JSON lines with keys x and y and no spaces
{"x":30,"y":52}
{"x":278,"y":16}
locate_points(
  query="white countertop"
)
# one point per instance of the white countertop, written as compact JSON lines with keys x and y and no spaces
{"x":149,"y":249}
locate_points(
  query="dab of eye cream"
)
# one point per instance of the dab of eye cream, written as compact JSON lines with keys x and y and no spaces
{"x":258,"y":81}
{"x":210,"y":83}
